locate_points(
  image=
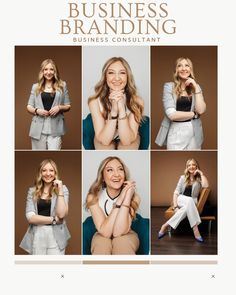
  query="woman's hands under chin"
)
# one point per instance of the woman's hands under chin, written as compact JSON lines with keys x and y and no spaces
{"x":58,"y":183}
{"x":129,"y":188}
{"x":117,"y":98}
{"x":191,"y":81}
{"x":197,"y":171}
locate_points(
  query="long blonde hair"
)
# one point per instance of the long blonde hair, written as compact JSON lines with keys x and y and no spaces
{"x":58,"y":84}
{"x":99,"y":184}
{"x":196,"y":177}
{"x":177,"y":80}
{"x":102,"y":91}
{"x":39,"y":184}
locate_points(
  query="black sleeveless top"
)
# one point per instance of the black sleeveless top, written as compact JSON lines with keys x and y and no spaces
{"x":47,"y":99}
{"x":184,"y":103}
{"x":44,"y":207}
{"x":188,"y":191}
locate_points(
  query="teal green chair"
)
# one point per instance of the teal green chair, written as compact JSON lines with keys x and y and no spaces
{"x":88,"y":133}
{"x":140,"y":225}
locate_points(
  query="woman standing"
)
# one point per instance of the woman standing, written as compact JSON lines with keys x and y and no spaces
{"x":116,"y":108}
{"x":185,"y":199}
{"x":48,"y":101}
{"x":113,"y":203}
{"x":46,"y":209}
{"x":183,"y":101}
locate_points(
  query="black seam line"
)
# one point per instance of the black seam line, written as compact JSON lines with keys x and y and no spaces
{"x":105,"y":209}
{"x":114,"y":197}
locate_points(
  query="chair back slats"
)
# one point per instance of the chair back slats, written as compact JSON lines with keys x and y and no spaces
{"x":202,"y":199}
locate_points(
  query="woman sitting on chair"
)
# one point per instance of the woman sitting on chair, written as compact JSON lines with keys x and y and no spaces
{"x":116,"y":108}
{"x":185,"y":199}
{"x":113,"y":203}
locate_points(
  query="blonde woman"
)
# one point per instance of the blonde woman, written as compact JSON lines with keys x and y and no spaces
{"x":183,"y":101}
{"x":116,"y":108}
{"x":46,"y":209}
{"x":48,"y":101}
{"x":113,"y":203}
{"x":185,"y":199}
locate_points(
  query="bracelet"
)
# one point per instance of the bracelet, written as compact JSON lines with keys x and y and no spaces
{"x":198,"y":92}
{"x":35,"y":111}
{"x":195,"y":116}
{"x":125,"y":206}
{"x":61,"y":196}
{"x":175,"y":207}
{"x":113,"y":117}
{"x":123,"y":118}
{"x":54,"y":221}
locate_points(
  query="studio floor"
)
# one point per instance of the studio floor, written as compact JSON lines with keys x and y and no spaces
{"x":181,"y":241}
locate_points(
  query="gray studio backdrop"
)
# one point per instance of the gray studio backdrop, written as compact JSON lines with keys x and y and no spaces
{"x":138,"y":165}
{"x":93,"y":59}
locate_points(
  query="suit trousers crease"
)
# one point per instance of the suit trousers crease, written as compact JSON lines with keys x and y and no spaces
{"x":187,"y":209}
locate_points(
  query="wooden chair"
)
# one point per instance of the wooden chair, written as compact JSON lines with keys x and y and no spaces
{"x":200,"y":205}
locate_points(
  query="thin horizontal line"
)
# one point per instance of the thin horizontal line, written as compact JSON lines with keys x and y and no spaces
{"x":74,"y":262}
{"x":31,"y":262}
{"x":183,"y":262}
{"x":116,"y":262}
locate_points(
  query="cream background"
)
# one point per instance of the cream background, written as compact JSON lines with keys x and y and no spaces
{"x":199,"y":22}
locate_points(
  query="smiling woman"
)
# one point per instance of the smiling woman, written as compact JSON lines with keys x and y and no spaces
{"x":113,"y":203}
{"x":181,"y":128}
{"x":48,"y":101}
{"x":185,"y":199}
{"x":116,"y":108}
{"x":46,"y":209}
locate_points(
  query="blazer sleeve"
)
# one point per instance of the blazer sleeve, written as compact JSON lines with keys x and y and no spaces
{"x":66,"y":194}
{"x":180,"y":185}
{"x":66,"y":95}
{"x":168,"y":99}
{"x":30,"y":206}
{"x":32,"y":97}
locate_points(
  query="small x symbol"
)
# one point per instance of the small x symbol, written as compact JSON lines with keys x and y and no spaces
{"x":213,"y":276}
{"x":62,"y":277}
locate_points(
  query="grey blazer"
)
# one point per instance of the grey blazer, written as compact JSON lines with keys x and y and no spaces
{"x":57,"y":122}
{"x":196,"y":188}
{"x":169,"y":101}
{"x":60,"y":231}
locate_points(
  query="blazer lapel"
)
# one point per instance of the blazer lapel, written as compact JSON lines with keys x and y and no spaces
{"x":56,"y":99}
{"x":39,"y":101}
{"x":193,"y":103}
{"x":53,"y":204}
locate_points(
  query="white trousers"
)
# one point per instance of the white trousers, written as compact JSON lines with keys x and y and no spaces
{"x":44,"y":242}
{"x":46,"y":142}
{"x":181,"y":137}
{"x":187,"y":209}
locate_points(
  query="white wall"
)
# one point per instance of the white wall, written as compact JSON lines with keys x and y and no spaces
{"x":138,"y":165}
{"x":93,"y":59}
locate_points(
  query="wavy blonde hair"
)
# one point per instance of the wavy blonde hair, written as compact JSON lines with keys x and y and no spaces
{"x":98,"y":185}
{"x":196,"y":177}
{"x":39,"y":183}
{"x":177,"y":80}
{"x":102,"y":91}
{"x":58,"y":84}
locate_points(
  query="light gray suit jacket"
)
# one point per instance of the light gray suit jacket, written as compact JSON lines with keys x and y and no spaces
{"x":57,"y":122}
{"x":181,"y":185}
{"x":60,"y":231}
{"x":169,"y":101}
